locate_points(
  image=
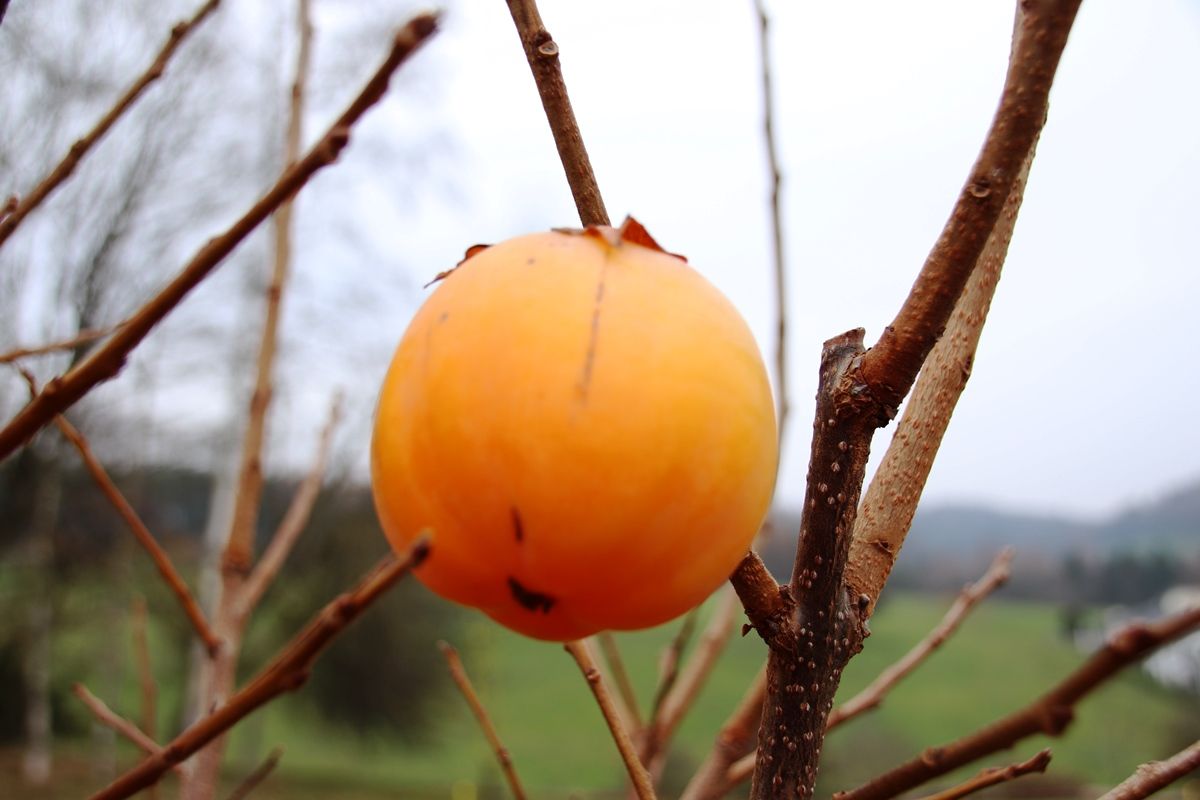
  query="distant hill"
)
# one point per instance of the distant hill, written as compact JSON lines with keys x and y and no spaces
{"x":949,"y":544}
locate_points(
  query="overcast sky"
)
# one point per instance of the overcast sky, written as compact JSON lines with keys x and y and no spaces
{"x":1083,"y":397}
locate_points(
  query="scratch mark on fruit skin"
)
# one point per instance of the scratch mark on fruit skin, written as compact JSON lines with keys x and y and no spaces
{"x":518,"y":527}
{"x":589,"y":358}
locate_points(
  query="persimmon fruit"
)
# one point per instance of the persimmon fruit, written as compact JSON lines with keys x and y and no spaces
{"x":585,"y":425}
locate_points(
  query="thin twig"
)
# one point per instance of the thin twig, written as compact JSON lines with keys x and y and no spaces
{"x":9,"y":222}
{"x":1050,"y":714}
{"x":542,"y":53}
{"x":109,"y":718}
{"x":626,"y":697}
{"x":669,"y":661}
{"x":260,"y":774}
{"x":239,"y":548}
{"x":995,"y":577}
{"x":286,"y":672}
{"x":716,"y":775}
{"x":777,"y":253}
{"x":108,"y":359}
{"x":145,"y":669}
{"x":683,"y":694}
{"x":145,"y":538}
{"x":459,"y":673}
{"x":83,"y":337}
{"x":994,"y":775}
{"x":294,"y":520}
{"x":1154,"y":775}
{"x":637,"y":772}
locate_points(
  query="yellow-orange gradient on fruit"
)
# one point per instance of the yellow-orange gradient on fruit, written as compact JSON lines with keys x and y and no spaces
{"x":586,"y":426}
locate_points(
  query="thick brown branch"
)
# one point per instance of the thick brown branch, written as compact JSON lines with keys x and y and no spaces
{"x":260,"y":774}
{"x":10,"y":221}
{"x":994,"y":775}
{"x":287,"y":672}
{"x":887,"y":509}
{"x":109,"y":718}
{"x":108,"y":359}
{"x":870,"y":697}
{"x":1050,"y":714}
{"x":542,"y":53}
{"x":145,"y":538}
{"x":781,"y":382}
{"x":1152,"y":776}
{"x":82,"y":338}
{"x":893,"y":363}
{"x":637,"y":772}
{"x":459,"y":673}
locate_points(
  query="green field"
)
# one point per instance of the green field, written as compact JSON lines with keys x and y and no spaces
{"x":1004,"y":656}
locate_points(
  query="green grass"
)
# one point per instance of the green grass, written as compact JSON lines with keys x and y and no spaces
{"x":1005,"y":655}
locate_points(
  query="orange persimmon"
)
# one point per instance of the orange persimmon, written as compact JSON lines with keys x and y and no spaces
{"x":586,"y":426}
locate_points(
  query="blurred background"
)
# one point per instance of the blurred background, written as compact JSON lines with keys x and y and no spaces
{"x":1073,"y":442}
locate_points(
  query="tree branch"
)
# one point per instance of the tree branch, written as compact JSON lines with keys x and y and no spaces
{"x":626,"y":697}
{"x":294,"y":520}
{"x":1050,"y":714}
{"x":10,"y":221}
{"x":637,"y":772}
{"x":781,"y":382}
{"x":108,"y":359}
{"x":145,"y":670}
{"x":995,"y":577}
{"x":260,"y":774}
{"x":887,"y":509}
{"x":542,"y":53}
{"x":723,"y":768}
{"x":459,"y":673}
{"x":892,"y":365}
{"x":145,"y":538}
{"x":109,"y":718}
{"x":994,"y":775}
{"x":82,"y":338}
{"x":1152,"y":776}
{"x":287,"y":672}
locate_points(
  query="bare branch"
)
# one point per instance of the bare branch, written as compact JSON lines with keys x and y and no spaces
{"x":637,"y":772}
{"x":892,"y":365}
{"x":781,"y":382}
{"x":887,"y":509}
{"x":10,"y":221}
{"x":287,"y":672}
{"x":994,"y":775}
{"x":542,"y":53}
{"x":1050,"y":714}
{"x":995,"y":577}
{"x":143,"y":535}
{"x":108,"y":359}
{"x":626,"y":697}
{"x":1154,"y":775}
{"x":82,"y":338}
{"x":106,"y":716}
{"x":724,"y":768}
{"x":145,"y":670}
{"x":669,"y":661}
{"x":459,"y":673}
{"x":239,"y":548}
{"x":260,"y":774}
{"x":294,"y":520}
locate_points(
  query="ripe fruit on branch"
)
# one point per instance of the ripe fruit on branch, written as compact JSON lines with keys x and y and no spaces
{"x":585,"y":424}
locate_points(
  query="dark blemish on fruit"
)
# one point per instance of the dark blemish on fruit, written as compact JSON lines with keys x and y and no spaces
{"x":518,"y":528}
{"x":445,"y":316}
{"x":534,"y":601}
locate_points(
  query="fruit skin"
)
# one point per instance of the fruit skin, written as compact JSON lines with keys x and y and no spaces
{"x":586,"y":426}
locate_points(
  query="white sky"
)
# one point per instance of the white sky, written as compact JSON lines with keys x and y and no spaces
{"x":1084,"y":392}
